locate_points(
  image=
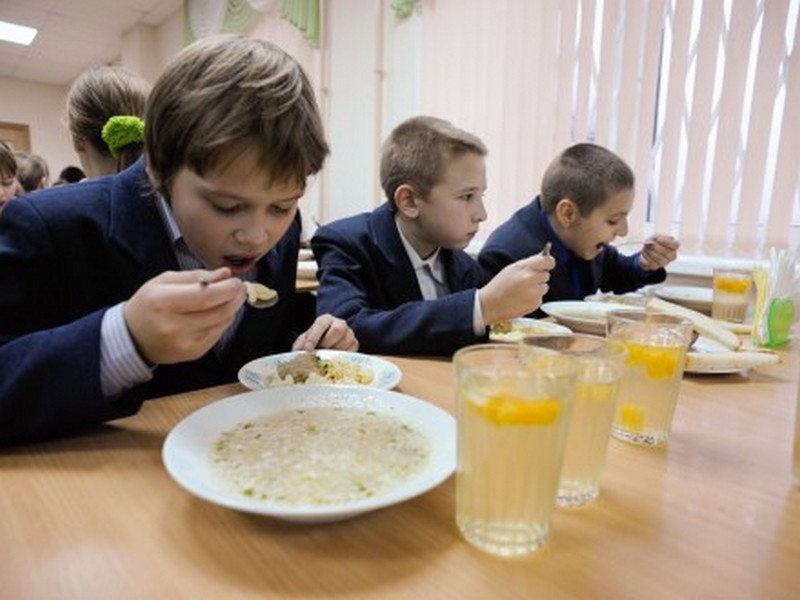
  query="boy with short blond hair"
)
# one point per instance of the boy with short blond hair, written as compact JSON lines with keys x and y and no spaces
{"x":586,"y":195}
{"x":130,"y":287}
{"x":399,"y":275}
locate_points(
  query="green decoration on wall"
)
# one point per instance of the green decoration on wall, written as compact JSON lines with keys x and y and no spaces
{"x":403,"y":8}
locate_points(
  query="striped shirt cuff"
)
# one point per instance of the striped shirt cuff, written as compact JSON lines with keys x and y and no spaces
{"x":121,"y":367}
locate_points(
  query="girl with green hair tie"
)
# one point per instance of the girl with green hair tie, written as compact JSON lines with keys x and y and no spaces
{"x":107,"y":99}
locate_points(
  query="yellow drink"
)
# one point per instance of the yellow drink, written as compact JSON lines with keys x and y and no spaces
{"x":512,"y":425}
{"x":600,"y":363}
{"x":587,"y":442}
{"x":731,"y":294}
{"x":648,"y":392}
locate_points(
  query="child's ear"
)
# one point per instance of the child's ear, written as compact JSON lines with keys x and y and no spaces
{"x":566,"y":213}
{"x":405,"y":199}
{"x":79,"y":144}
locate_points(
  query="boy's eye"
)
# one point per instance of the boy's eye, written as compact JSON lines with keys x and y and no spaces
{"x":229,"y":210}
{"x":279,"y":210}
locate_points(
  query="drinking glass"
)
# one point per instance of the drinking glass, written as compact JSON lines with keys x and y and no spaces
{"x":600,"y":365}
{"x":512,"y":417}
{"x":648,"y":393}
{"x":732,"y":293}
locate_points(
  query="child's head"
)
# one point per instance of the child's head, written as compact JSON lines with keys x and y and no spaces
{"x":226,"y":95}
{"x":32,"y":171}
{"x":8,"y":174}
{"x":434,"y":175}
{"x":419,"y":150}
{"x":587,"y":192}
{"x":97,"y":95}
{"x":232,"y":132}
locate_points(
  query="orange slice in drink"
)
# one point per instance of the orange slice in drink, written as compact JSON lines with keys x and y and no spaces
{"x":504,"y":410}
{"x":732,"y":285}
{"x":661,"y":362}
{"x":632,"y":417}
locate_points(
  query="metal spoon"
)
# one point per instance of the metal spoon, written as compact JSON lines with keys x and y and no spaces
{"x":260,"y":296}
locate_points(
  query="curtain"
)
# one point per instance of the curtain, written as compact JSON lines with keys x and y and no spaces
{"x":696,"y":95}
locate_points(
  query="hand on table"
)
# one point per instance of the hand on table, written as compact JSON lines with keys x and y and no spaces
{"x":327,"y":331}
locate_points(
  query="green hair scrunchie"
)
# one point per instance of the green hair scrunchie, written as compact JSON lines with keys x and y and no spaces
{"x":121,"y":131}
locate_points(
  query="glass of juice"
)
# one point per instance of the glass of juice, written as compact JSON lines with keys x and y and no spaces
{"x":512,"y":414}
{"x":648,"y":392}
{"x":732,"y":294}
{"x":600,"y":365}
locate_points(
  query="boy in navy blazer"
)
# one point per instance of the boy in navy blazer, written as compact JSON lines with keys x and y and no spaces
{"x":587,"y":194}
{"x":399,"y":275}
{"x":128,"y":287}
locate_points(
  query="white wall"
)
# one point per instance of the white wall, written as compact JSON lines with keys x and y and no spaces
{"x":41,"y":107}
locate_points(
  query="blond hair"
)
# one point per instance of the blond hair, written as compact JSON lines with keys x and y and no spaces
{"x":225,"y":95}
{"x":98,"y":94}
{"x":419,"y":149}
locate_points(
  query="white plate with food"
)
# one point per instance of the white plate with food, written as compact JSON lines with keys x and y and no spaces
{"x":694,"y":297}
{"x":584,"y":316}
{"x":709,"y":357}
{"x":327,"y":367}
{"x":312,"y":454}
{"x":515,"y":330}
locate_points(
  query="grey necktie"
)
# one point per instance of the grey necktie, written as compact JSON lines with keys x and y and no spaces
{"x":441,"y":286}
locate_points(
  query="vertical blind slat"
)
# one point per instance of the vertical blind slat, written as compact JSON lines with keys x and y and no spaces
{"x":787,"y":168}
{"x":728,"y":140}
{"x":647,"y":92}
{"x":699,"y":130}
{"x":674,"y":113}
{"x":765,"y":87}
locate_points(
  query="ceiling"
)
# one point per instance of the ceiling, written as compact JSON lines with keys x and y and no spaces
{"x":73,"y":34}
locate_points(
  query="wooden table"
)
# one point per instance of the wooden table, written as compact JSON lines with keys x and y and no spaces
{"x":712,"y":516}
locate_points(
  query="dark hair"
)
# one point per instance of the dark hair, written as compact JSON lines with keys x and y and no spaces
{"x":227,"y":94}
{"x":418,"y":150}
{"x":71,"y":174}
{"x":588,"y":175}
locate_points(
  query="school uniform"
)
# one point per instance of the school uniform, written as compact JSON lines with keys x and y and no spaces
{"x":527,"y":231}
{"x":67,"y":255}
{"x":367,"y":279}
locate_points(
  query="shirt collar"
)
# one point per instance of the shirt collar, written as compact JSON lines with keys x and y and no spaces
{"x":187,"y":259}
{"x":433,"y":261}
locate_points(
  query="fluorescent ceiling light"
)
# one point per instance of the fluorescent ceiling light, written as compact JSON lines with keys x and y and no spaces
{"x":18,"y":34}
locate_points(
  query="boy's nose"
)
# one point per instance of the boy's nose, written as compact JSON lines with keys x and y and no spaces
{"x":253,"y":233}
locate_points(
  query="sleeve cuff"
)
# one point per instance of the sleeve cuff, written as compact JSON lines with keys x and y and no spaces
{"x":121,"y":367}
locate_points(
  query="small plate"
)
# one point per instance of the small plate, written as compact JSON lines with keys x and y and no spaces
{"x":696,"y":298}
{"x":584,"y":316}
{"x":525,"y":327}
{"x":261,"y":372}
{"x":188,"y":450}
